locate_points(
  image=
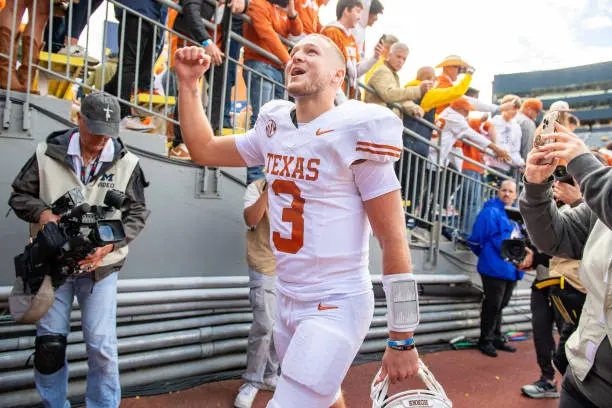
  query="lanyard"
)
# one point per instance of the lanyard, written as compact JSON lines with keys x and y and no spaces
{"x":92,"y":172}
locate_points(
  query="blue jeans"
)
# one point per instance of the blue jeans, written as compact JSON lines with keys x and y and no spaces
{"x":98,"y":302}
{"x":471,"y":197}
{"x":261,"y":92}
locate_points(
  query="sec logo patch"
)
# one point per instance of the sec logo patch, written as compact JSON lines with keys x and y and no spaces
{"x":270,"y":128}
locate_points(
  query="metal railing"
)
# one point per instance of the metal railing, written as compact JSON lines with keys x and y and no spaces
{"x":436,"y":196}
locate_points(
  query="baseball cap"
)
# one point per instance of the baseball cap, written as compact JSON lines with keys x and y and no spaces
{"x":533,"y":103}
{"x":462,"y":103}
{"x":102,"y":114}
{"x":560,"y":106}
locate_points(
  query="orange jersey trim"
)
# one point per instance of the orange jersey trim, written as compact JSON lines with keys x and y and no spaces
{"x":382,"y":146}
{"x":363,"y":149}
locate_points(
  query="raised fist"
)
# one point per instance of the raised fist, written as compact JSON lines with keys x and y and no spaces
{"x":190,"y":63}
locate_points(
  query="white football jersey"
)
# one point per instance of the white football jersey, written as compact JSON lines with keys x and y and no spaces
{"x":318,"y":224}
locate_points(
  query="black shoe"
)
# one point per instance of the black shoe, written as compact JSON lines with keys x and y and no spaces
{"x":541,"y":389}
{"x":487,"y":349}
{"x":502,"y":346}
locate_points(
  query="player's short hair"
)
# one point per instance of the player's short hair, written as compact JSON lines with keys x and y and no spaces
{"x":337,"y":51}
{"x":346,"y":4}
{"x":376,"y":7}
{"x":399,"y":46}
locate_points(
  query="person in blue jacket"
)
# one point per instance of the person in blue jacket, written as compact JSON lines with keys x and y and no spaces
{"x":499,"y":277}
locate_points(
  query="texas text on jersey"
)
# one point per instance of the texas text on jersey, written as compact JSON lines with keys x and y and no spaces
{"x":319,"y":229}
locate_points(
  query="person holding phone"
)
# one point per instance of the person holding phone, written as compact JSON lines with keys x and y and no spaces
{"x":583,"y":232}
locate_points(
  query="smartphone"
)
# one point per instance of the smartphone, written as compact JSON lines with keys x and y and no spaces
{"x":548,"y":128}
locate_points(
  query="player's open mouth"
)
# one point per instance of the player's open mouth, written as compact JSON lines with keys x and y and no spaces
{"x":297,"y":71}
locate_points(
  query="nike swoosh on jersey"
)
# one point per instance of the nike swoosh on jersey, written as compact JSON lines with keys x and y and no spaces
{"x":320,"y":132}
{"x":321,"y":307}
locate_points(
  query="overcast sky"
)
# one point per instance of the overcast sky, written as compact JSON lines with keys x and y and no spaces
{"x":515,"y":36}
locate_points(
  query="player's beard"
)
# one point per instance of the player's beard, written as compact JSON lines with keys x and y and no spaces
{"x":306,"y":87}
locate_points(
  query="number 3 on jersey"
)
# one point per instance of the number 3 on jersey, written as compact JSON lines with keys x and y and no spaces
{"x":293,"y":214}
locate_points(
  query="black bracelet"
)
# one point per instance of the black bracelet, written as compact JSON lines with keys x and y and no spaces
{"x":294,"y":16}
{"x":402,"y":348}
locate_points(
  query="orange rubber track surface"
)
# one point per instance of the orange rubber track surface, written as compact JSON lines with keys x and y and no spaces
{"x":470,"y":379}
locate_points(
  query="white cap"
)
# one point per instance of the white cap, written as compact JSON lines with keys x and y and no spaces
{"x":560,"y":106}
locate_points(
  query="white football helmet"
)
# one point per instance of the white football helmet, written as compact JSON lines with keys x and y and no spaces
{"x":433,"y":397}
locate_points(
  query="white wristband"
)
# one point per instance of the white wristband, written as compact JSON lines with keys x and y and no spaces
{"x":402,"y":302}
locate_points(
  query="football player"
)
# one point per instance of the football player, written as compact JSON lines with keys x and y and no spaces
{"x":329,"y":170}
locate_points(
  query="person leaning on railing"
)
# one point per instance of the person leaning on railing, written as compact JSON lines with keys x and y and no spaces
{"x":387,"y":90}
{"x":584,"y":232}
{"x":269,"y":18}
{"x":509,"y":137}
{"x":348,"y":13}
{"x":31,"y":41}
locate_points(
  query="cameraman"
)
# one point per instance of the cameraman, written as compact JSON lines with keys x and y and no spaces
{"x":92,"y":159}
{"x":498,"y":276}
{"x":583,"y":232}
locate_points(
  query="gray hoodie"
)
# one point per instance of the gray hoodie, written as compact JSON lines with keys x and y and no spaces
{"x":583,"y":232}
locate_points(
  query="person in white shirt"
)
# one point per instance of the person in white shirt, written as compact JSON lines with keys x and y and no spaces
{"x":509,"y":137}
{"x":454,"y":125}
{"x":369,"y":15}
{"x":453,"y":121}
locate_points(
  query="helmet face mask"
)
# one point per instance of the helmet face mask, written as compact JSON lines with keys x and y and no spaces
{"x":433,"y":397}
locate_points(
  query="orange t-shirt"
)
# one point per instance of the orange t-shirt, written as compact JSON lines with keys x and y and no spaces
{"x":309,"y":14}
{"x":472,"y":152}
{"x":348,"y":46}
{"x":268,"y":20}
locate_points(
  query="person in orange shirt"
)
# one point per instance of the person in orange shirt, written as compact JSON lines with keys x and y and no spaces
{"x":348,"y":13}
{"x":308,"y":10}
{"x":473,"y":174}
{"x":269,"y":18}
{"x":452,"y":66}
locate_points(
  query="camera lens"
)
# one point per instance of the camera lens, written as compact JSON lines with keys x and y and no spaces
{"x":116,"y":199}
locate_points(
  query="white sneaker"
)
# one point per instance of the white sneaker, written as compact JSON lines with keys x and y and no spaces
{"x":136,"y":124}
{"x":245,"y":396}
{"x":269,"y":384}
{"x":78,"y":52}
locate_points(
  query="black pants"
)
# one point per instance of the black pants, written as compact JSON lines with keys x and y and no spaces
{"x":571,"y":396}
{"x":497,"y":294}
{"x":129,"y":58}
{"x":560,"y":358}
{"x":543,"y":316}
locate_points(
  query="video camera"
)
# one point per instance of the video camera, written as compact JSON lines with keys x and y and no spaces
{"x":58,"y":247}
{"x":514,"y":250}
